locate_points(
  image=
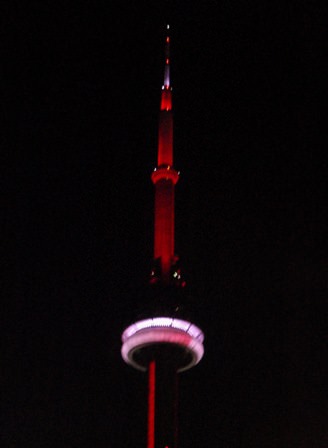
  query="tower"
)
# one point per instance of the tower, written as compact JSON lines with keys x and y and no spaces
{"x":164,"y":342}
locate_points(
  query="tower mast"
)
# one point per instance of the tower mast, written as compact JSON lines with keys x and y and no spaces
{"x":164,"y":343}
{"x":164,"y":178}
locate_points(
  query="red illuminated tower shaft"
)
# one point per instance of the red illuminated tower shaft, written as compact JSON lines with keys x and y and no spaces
{"x":163,"y":342}
{"x":162,"y":370}
{"x":165,"y":177}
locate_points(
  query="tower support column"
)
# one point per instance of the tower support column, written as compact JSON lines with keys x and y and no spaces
{"x":162,"y":403}
{"x":164,"y":225}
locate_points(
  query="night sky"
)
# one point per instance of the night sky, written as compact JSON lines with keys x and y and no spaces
{"x":82,"y":83}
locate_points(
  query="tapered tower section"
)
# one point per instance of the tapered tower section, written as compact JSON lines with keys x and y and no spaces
{"x":165,"y":342}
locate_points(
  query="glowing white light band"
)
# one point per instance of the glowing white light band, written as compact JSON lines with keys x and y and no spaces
{"x":162,"y":330}
{"x":170,"y":322}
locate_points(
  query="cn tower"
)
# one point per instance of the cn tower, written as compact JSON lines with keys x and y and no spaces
{"x":164,"y":342}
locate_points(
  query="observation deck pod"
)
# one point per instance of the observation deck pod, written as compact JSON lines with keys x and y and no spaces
{"x":179,"y":340}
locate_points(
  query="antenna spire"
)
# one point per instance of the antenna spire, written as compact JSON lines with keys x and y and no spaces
{"x":166,"y":99}
{"x":167,"y":60}
{"x":165,"y":177}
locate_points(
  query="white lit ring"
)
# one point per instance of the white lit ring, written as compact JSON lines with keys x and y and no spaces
{"x":170,"y":322}
{"x":162,"y":330}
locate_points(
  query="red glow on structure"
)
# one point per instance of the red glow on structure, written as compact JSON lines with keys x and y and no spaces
{"x":164,"y":178}
{"x":164,"y":224}
{"x":165,"y":133}
{"x":151,"y":404}
{"x":166,"y":100}
{"x":166,"y":173}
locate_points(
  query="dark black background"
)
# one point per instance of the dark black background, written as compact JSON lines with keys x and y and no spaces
{"x":81,"y":88}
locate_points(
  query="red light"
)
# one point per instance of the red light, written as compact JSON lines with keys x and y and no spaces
{"x":166,"y":99}
{"x":151,"y":405}
{"x":167,"y":39}
{"x":167,"y":60}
